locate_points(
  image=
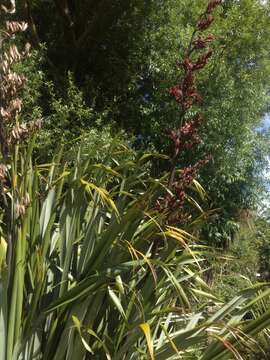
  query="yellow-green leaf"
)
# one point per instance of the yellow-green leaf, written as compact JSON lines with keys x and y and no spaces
{"x":147,"y":332}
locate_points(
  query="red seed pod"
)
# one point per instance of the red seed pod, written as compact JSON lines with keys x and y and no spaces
{"x":185,"y":137}
{"x":202,"y":43}
{"x":193,"y":94}
{"x":187,"y":104}
{"x":206,"y":22}
{"x":177,"y":92}
{"x":199,"y":43}
{"x":212,"y":5}
{"x":188,"y":81}
{"x":203,"y":60}
{"x":187,"y":64}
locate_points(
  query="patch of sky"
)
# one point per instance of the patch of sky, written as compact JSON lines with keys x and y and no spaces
{"x":265,"y":123}
{"x":264,"y":126}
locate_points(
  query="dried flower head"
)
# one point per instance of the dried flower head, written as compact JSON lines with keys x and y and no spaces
{"x":22,"y":206}
{"x":15,"y":26}
{"x":3,"y":172}
{"x":11,"y":130}
{"x":10,"y":10}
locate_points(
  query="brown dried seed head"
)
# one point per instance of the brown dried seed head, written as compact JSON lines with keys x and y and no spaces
{"x":3,"y":172}
{"x":27,"y":49}
{"x":19,"y":132}
{"x":20,"y":210}
{"x":10,"y":10}
{"x":35,"y":125}
{"x":5,"y":114}
{"x":15,"y":26}
{"x":23,"y":205}
{"x":15,"y":105}
{"x":26,"y":200}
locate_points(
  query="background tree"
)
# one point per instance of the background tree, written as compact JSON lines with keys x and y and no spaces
{"x":122,"y":60}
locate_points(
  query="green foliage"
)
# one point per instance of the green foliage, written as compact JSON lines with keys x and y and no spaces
{"x":99,"y":272}
{"x":31,"y":68}
{"x":244,"y":263}
{"x":88,"y":267}
{"x":262,"y":234}
{"x":122,"y":70}
{"x":239,"y":266}
{"x":66,"y":117}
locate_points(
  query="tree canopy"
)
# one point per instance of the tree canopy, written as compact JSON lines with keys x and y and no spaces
{"x":122,"y":58}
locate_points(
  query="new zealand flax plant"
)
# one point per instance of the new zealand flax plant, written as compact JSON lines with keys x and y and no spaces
{"x":90,"y":266}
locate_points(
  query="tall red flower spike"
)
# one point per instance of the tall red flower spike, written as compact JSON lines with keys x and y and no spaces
{"x":186,"y":135}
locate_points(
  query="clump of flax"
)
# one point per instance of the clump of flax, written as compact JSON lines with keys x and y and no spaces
{"x":12,"y":130}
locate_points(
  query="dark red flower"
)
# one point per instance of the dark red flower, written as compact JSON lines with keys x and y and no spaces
{"x":195,"y":96}
{"x":177,"y":92}
{"x":188,"y":81}
{"x":212,"y":5}
{"x":206,"y":22}
{"x":187,"y":64}
{"x":202,"y":43}
{"x":186,"y":136}
{"x":203,"y":60}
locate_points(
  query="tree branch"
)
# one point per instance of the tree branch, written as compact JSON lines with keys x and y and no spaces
{"x":63,"y":8}
{"x":31,"y":23}
{"x":35,"y":37}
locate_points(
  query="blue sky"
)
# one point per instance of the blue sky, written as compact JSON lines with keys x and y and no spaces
{"x":266,"y":125}
{"x":266,"y":122}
